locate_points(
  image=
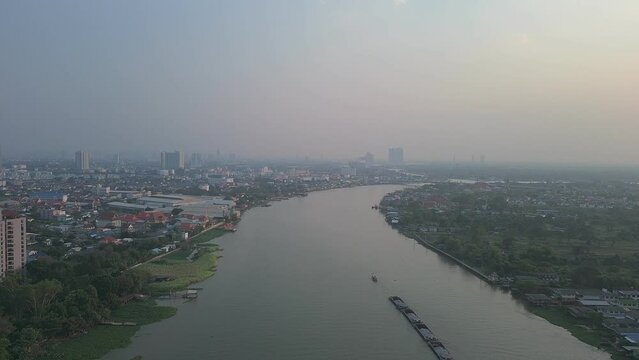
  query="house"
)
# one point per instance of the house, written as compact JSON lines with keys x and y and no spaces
{"x":128,"y":219}
{"x":538,"y":299}
{"x":627,"y":294}
{"x":627,"y":303}
{"x":620,"y":325}
{"x":109,"y":219}
{"x":54,"y":213}
{"x":157,"y":217}
{"x":565,"y":296}
{"x":590,"y":294}
{"x":593,"y":303}
{"x":109,"y":240}
{"x":611,"y":311}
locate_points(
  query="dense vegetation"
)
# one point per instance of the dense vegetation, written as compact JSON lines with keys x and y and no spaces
{"x":62,"y":298}
{"x":101,"y":339}
{"x":518,"y":230}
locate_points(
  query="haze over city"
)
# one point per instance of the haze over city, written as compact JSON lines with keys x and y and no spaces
{"x":319,"y":179}
{"x":516,"y":81}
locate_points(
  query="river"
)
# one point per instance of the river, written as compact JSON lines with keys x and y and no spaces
{"x":294,"y":283}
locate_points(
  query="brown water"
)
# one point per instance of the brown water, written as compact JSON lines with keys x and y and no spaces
{"x":294,"y":283}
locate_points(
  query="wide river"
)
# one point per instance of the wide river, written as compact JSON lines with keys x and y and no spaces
{"x":294,"y":283}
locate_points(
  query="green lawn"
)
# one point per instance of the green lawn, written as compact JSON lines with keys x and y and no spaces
{"x":207,"y":236}
{"x":103,"y":338}
{"x":183,"y":272}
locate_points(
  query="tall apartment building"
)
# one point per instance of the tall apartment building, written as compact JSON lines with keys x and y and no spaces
{"x":13,"y":242}
{"x":82,"y":160}
{"x":396,"y":156}
{"x":172,"y":160}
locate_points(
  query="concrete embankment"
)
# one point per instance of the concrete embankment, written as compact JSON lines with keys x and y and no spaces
{"x":459,"y":262}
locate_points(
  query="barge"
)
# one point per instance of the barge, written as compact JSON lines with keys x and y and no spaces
{"x":422,"y":329}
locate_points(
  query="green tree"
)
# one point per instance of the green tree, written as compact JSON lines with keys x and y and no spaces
{"x":40,"y":296}
{"x":28,"y":345}
{"x":4,"y":348}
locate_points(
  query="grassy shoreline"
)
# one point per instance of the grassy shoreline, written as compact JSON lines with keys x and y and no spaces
{"x":182,"y":272}
{"x":584,"y":330}
{"x":100,"y":340}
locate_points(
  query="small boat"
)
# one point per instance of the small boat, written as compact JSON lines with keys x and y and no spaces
{"x":374,"y":278}
{"x":190,"y":294}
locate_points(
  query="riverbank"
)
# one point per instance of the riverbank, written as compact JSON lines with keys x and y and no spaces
{"x":517,"y":237}
{"x":585,"y":331}
{"x":182,"y":271}
{"x":101,"y":339}
{"x":284,"y":269}
{"x":459,"y":262}
{"x":588,"y":332}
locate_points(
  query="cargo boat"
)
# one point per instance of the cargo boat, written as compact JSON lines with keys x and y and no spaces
{"x":398,"y":302}
{"x":424,"y":331}
{"x":411,"y":316}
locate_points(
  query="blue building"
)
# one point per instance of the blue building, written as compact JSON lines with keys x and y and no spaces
{"x":48,"y":196}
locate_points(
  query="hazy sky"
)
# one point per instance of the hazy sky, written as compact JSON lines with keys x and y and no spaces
{"x":514,"y":80}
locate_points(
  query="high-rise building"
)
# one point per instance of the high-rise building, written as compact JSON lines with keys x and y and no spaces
{"x":196,"y":160}
{"x":396,"y":156}
{"x":13,"y":242}
{"x":172,"y":160}
{"x":82,"y":160}
{"x":368,"y":159}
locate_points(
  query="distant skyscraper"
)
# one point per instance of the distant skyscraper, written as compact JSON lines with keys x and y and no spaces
{"x":82,"y":160}
{"x":13,"y":242}
{"x":396,"y":156}
{"x":172,"y":160}
{"x":116,"y":160}
{"x":196,"y":160}
{"x":368,"y":159}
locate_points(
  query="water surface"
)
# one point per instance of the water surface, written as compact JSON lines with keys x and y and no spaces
{"x":294,"y":283}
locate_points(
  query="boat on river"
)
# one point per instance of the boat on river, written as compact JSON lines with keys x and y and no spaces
{"x":422,"y":329}
{"x":440,"y":350}
{"x":411,"y":315}
{"x":398,"y":302}
{"x":374,"y":277}
{"x":424,"y":332}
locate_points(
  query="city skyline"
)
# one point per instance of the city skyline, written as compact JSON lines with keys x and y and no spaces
{"x":323,"y":79}
{"x":355,"y":179}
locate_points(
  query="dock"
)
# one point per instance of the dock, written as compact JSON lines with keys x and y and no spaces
{"x":118,"y":323}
